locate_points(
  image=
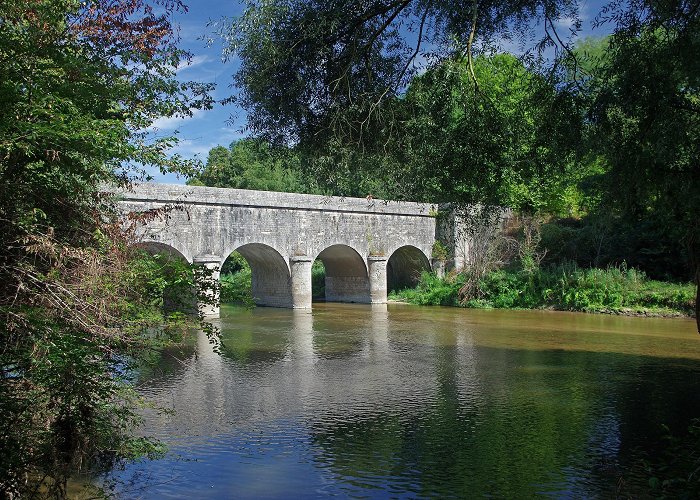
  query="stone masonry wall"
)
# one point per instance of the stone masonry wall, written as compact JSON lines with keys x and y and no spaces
{"x":278,"y":228}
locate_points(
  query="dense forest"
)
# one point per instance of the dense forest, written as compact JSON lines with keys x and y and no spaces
{"x":595,"y":144}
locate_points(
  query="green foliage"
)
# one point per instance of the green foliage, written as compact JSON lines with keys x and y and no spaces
{"x":673,"y":471}
{"x":79,"y":84}
{"x":644,"y":99}
{"x":607,"y":240}
{"x":318,"y":280}
{"x":371,"y":120}
{"x":320,"y":72}
{"x":252,"y":164}
{"x":234,"y":263}
{"x":565,"y":287}
{"x":501,"y":289}
{"x":506,"y":142}
{"x":166,"y":283}
{"x":432,"y":290}
{"x":236,"y":281}
{"x":77,"y":387}
{"x":439,"y":251}
{"x":236,"y":288}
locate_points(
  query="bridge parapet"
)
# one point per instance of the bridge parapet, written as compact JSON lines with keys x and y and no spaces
{"x":239,"y":198}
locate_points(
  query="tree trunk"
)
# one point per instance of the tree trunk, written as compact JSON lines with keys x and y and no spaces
{"x":694,"y":257}
{"x":697,"y":297}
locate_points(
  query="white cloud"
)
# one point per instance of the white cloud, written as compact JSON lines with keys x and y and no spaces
{"x":192,"y":63}
{"x":565,"y":22}
{"x":173,"y":122}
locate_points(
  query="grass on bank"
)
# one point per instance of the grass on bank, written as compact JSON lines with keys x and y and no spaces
{"x":564,"y":287}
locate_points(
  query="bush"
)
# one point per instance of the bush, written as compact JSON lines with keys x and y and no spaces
{"x":604,"y":241}
{"x":237,"y":288}
{"x":432,"y":290}
{"x":318,"y":280}
{"x":564,"y":287}
{"x":672,"y":472}
{"x":502,"y":289}
{"x":234,"y":263}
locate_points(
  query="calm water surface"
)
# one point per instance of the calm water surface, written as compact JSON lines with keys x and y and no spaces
{"x":405,"y":401}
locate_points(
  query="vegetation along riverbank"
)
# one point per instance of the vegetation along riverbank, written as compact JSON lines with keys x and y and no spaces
{"x":567,"y":288}
{"x":614,"y":290}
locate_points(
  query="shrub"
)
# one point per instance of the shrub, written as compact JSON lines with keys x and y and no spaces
{"x":432,"y":290}
{"x":565,"y":287}
{"x":237,"y":287}
{"x":318,"y":280}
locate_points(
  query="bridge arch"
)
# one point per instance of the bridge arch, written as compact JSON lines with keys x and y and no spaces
{"x":269,"y":274}
{"x":405,"y":266}
{"x":176,"y":297}
{"x":347,"y":279}
{"x":157,"y":247}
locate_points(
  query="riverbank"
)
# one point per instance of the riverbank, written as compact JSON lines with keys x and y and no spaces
{"x":615,"y":290}
{"x":567,"y":288}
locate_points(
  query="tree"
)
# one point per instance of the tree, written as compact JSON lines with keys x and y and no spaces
{"x":253,"y":164}
{"x":507,"y":142}
{"x":79,"y":83}
{"x":329,"y":78}
{"x":645,"y":115}
{"x":313,"y":69}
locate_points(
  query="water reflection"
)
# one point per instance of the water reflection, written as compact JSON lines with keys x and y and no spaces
{"x":403,"y":401}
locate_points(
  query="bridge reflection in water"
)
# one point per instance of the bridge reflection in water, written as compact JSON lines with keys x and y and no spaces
{"x":401,"y":401}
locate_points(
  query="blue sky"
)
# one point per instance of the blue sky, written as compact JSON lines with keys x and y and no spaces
{"x":222,"y":124}
{"x":205,"y":129}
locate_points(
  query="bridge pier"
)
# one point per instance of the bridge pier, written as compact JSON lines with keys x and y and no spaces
{"x":206,"y":277}
{"x":300,"y":267}
{"x":376,"y":265}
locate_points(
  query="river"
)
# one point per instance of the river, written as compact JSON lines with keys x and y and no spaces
{"x":408,"y":401}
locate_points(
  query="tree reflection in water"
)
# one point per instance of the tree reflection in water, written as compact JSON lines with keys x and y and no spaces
{"x":408,"y":401}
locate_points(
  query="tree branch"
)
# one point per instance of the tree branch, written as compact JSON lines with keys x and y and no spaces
{"x":470,"y":42}
{"x":397,"y":81}
{"x":366,"y":48}
{"x":418,"y":45}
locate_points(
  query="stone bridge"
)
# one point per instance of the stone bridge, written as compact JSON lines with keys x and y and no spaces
{"x":367,"y":246}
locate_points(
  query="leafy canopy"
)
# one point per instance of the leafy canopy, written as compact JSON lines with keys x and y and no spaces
{"x":505,"y":142}
{"x":252,"y":164}
{"x":312,"y":69}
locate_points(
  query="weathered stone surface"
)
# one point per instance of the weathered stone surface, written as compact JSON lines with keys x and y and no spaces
{"x":281,"y":234}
